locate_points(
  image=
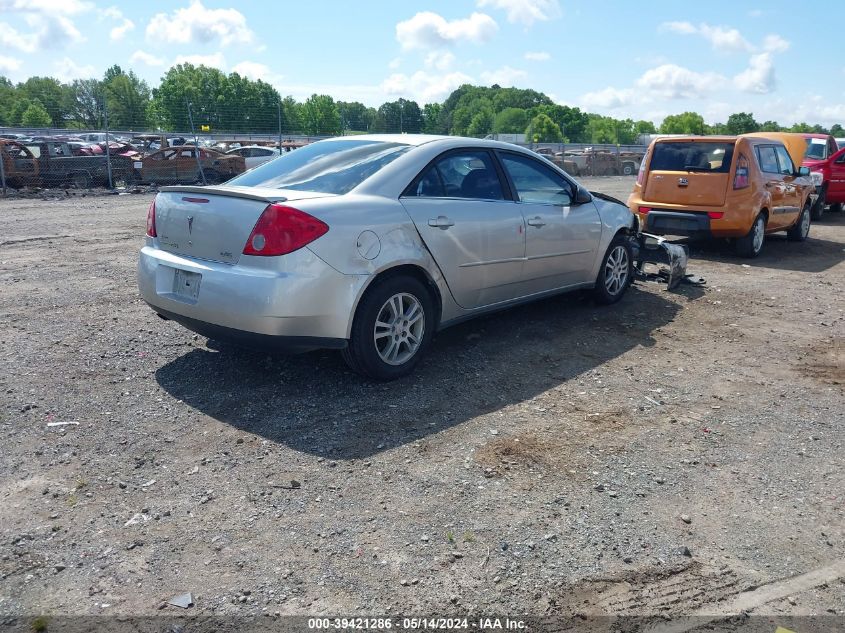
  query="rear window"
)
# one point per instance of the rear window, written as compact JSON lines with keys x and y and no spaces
{"x":326,"y":167}
{"x":693,"y":156}
{"x":816,"y":148}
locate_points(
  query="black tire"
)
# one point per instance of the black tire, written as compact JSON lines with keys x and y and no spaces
{"x":363,"y":354}
{"x":80,"y":179}
{"x":627,"y":169}
{"x":609,"y":289}
{"x":818,"y":208}
{"x":836,"y":207}
{"x":799,"y":231}
{"x":751,"y":245}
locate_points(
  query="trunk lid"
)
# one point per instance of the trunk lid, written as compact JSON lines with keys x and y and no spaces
{"x":689,"y":173}
{"x":214,"y":223}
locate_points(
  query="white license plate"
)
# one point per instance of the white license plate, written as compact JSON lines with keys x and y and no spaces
{"x":138,"y":164}
{"x":186,"y":284}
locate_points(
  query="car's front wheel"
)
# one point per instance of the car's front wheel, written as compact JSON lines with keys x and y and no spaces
{"x":393,"y":326}
{"x":616,"y":273}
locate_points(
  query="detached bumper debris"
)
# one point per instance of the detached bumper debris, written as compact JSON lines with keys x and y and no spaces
{"x":183,"y":600}
{"x":671,"y":258}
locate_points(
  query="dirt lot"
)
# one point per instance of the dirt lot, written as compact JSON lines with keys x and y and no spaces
{"x":662,"y":455}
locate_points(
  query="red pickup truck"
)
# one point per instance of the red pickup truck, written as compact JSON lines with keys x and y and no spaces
{"x":827,"y":168}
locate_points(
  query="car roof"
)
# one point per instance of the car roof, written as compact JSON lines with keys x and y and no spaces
{"x":417,"y":140}
{"x":234,"y":149}
{"x":698,"y":138}
{"x":795,"y":143}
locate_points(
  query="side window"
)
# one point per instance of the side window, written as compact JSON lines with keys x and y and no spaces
{"x":187,"y":153}
{"x":768,"y":159}
{"x":535,"y":182}
{"x":786,"y":166}
{"x":466,"y":174}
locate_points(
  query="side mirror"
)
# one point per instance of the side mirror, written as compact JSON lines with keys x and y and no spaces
{"x":803,"y":171}
{"x":582,"y":196}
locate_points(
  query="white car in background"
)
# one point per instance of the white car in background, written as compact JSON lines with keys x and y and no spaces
{"x":255,"y":155}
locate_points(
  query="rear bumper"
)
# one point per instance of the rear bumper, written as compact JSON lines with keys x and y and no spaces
{"x":676,"y":223}
{"x":261,"y":342}
{"x":255,"y":301}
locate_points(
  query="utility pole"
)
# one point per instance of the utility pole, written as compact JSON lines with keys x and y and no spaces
{"x":196,"y":142}
{"x":108,"y":151}
{"x":279,"y":105}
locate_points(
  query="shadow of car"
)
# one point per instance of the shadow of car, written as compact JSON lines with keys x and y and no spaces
{"x":314,"y":404}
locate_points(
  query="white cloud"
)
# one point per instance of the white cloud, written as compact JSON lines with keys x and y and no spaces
{"x":775,"y":44}
{"x":69,"y":69}
{"x":759,"y":77}
{"x":196,"y":23}
{"x":395,"y":63}
{"x":51,"y":32}
{"x":9,"y":64}
{"x":148,"y":59}
{"x":537,"y":57}
{"x":423,"y":86}
{"x":430,"y":30}
{"x":526,"y":12}
{"x":684,"y":28}
{"x":118,"y":32}
{"x":440,"y":60}
{"x":256,"y":71}
{"x":675,"y":82}
{"x":504,"y":76}
{"x":721,"y":38}
{"x":215,"y":60}
{"x":608,"y":99}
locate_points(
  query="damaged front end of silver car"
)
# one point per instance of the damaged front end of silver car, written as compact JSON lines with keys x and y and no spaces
{"x":669,"y":258}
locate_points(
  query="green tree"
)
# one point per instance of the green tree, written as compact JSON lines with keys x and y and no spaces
{"x":431,"y":119}
{"x":542,"y":129}
{"x":320,"y":116}
{"x":55,"y":98}
{"x":291,"y":115}
{"x":356,"y":116}
{"x":510,"y":121}
{"x":200,"y":86}
{"x":8,"y":96}
{"x":837,"y":130}
{"x":127,"y":98}
{"x":684,"y":123}
{"x":87,"y":102}
{"x":770,"y":126}
{"x":645,"y":127}
{"x":481,"y":124}
{"x":741,"y":123}
{"x":36,"y":116}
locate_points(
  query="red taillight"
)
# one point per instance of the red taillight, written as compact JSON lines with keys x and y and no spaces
{"x":151,"y":219}
{"x":645,"y":210}
{"x":741,"y":180}
{"x":641,"y":172}
{"x":715,"y":215}
{"x":281,"y":230}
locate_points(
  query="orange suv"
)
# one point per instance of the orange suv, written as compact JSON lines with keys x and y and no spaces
{"x":724,"y":186}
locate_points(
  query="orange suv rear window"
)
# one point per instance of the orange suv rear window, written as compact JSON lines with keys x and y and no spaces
{"x":693,"y":156}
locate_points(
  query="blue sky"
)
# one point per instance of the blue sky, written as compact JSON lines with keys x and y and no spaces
{"x":646,"y":59}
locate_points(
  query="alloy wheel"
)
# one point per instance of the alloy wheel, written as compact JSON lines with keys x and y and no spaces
{"x":399,"y":328}
{"x":616,"y":270}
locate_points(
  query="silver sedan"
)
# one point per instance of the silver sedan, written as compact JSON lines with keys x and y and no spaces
{"x":371,"y":244}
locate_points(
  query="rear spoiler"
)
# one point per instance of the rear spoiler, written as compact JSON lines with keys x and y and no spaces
{"x":229,"y":192}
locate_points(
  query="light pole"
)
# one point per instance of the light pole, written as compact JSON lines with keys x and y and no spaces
{"x":196,"y":142}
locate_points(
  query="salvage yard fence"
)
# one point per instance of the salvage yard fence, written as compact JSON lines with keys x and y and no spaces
{"x":123,"y":159}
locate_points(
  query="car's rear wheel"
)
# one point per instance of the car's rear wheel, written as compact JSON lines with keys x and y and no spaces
{"x":616,"y":273}
{"x":80,"y":179}
{"x":836,"y":208}
{"x":751,"y":244}
{"x":801,"y":229}
{"x":393,"y":325}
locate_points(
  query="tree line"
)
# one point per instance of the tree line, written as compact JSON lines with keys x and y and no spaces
{"x":233,"y":103}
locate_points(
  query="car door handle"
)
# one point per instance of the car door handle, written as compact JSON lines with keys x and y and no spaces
{"x":538,"y":222}
{"x":441,"y":222}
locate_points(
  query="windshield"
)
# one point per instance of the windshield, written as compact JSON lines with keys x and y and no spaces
{"x":693,"y":156}
{"x":816,"y":149}
{"x":327,"y":167}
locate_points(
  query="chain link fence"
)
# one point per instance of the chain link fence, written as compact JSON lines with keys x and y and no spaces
{"x":34,"y":158}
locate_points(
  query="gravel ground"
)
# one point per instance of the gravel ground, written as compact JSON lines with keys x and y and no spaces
{"x":654,"y":457}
